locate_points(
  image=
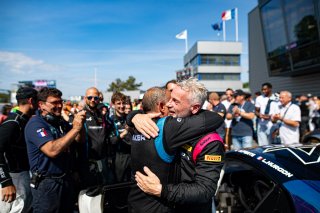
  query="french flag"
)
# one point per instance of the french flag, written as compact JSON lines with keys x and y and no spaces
{"x":228,"y":14}
{"x":42,"y":133}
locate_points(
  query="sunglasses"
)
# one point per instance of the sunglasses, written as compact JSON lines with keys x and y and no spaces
{"x":96,"y":98}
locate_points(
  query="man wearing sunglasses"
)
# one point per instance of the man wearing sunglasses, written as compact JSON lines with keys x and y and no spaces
{"x":48,"y":139}
{"x":93,"y":152}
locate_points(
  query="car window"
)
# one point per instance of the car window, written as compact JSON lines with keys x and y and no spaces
{"x":245,"y":188}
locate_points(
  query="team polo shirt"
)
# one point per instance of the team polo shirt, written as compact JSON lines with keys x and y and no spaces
{"x":222,"y":109}
{"x":37,"y":133}
{"x":243,"y":127}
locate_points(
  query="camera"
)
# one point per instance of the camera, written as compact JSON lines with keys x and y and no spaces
{"x":35,"y":179}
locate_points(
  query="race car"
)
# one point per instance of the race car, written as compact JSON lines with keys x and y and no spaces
{"x":271,"y":179}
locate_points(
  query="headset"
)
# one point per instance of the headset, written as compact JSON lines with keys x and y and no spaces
{"x":51,"y":118}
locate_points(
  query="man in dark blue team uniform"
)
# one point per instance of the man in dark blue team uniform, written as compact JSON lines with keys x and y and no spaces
{"x":48,"y":139}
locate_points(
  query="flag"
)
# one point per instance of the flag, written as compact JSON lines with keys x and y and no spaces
{"x":42,"y":133}
{"x":228,"y":14}
{"x":182,"y":35}
{"x":217,"y":26}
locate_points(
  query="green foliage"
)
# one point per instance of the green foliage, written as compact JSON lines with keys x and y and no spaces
{"x":119,"y":85}
{"x":245,"y":85}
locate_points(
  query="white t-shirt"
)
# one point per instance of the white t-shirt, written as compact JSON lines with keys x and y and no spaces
{"x":227,"y":104}
{"x":289,"y":134}
{"x":261,"y":102}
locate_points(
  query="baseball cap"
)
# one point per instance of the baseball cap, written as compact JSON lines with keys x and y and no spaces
{"x":26,"y":92}
{"x":239,"y":92}
{"x":101,"y":105}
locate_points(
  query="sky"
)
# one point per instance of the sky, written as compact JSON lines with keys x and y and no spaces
{"x":74,"y":41}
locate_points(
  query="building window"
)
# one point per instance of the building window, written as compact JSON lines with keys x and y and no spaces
{"x":216,"y":60}
{"x":291,"y":36}
{"x":219,"y":76}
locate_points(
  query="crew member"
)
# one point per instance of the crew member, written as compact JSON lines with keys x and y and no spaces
{"x":48,"y":139}
{"x":14,"y":166}
{"x":93,"y":151}
{"x":119,"y":139}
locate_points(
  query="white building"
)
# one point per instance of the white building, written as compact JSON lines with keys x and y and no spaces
{"x":216,"y":64}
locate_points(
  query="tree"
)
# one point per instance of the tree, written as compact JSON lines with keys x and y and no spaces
{"x":119,"y":85}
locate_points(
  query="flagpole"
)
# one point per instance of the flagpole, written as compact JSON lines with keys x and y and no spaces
{"x":224,"y":30}
{"x":236,"y":24}
{"x":186,"y":41}
{"x":95,"y":77}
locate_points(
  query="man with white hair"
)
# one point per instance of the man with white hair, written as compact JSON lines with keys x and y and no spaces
{"x":199,"y":175}
{"x":288,"y":115}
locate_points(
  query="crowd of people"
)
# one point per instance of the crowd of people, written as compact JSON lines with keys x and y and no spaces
{"x":170,"y":144}
{"x":267,"y":118}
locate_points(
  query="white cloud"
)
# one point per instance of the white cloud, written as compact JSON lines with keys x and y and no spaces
{"x":18,"y":63}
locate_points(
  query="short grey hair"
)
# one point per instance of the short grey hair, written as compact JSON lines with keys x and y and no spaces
{"x":197,"y":91}
{"x":152,"y":98}
{"x":289,"y":94}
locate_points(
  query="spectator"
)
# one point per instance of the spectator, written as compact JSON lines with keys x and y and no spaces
{"x":227,"y":102}
{"x":288,"y":115}
{"x":81,"y":105}
{"x":305,"y":106}
{"x":315,"y":113}
{"x":127,"y":105}
{"x":170,"y":85}
{"x":262,"y":110}
{"x":4,"y":113}
{"x":241,"y":113}
{"x":219,"y":108}
{"x":74,"y":108}
{"x":15,"y":193}
{"x":135,"y":104}
{"x":48,"y":139}
{"x":101,"y":96}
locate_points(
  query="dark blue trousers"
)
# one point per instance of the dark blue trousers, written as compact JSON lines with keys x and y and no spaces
{"x":53,"y":195}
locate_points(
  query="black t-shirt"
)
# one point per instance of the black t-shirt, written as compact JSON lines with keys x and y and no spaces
{"x":13,"y":150}
{"x":304,"y":107}
{"x":96,"y":134}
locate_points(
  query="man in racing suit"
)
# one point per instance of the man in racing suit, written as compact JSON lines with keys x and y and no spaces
{"x":186,"y":129}
{"x":198,"y":179}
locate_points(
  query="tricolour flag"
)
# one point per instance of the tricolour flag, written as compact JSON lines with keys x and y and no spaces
{"x":182,"y":35}
{"x":42,"y":133}
{"x":228,"y":14}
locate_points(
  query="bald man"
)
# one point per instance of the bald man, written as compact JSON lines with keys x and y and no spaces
{"x":93,"y":150}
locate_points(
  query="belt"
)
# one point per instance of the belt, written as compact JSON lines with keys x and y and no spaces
{"x":55,"y":176}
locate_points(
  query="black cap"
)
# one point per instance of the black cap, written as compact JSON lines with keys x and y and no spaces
{"x":26,"y":92}
{"x":239,"y":92}
{"x":101,"y":105}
